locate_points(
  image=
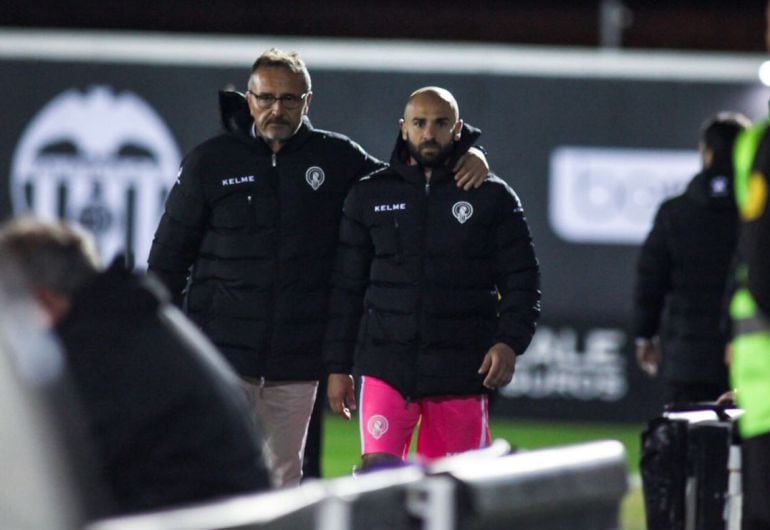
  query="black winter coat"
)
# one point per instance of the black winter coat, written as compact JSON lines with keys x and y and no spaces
{"x":168,"y":419}
{"x":681,"y":279}
{"x":440,"y":275}
{"x":256,"y":232}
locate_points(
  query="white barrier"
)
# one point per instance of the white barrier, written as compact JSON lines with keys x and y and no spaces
{"x":578,"y":487}
{"x":290,"y":509}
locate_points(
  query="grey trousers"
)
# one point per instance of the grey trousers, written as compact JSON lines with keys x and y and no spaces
{"x":283,"y":412}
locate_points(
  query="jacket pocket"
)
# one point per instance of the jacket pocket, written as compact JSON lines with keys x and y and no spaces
{"x":386,"y":238}
{"x":388,"y":328}
{"x":234,"y":212}
{"x":199,"y":302}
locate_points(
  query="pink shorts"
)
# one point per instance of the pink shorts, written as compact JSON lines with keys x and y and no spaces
{"x":448,"y":425}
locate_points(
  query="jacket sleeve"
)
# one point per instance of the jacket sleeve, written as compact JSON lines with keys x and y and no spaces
{"x":364,"y":163}
{"x":180,"y":230}
{"x":517,"y":275}
{"x":350,"y":276}
{"x":653,"y":278}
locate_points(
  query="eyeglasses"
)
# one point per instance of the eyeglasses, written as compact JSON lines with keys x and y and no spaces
{"x":289,"y":101}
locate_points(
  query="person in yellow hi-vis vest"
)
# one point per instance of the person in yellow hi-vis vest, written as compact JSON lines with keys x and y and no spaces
{"x":750,"y":312}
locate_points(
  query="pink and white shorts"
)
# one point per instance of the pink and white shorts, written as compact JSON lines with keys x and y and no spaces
{"x":448,"y":424}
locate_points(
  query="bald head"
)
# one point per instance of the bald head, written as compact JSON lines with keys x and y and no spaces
{"x":430,"y":126}
{"x":434,"y":95}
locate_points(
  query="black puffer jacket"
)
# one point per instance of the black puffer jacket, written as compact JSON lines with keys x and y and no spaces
{"x":167,"y":415}
{"x":682,"y":273}
{"x":425,"y":263}
{"x":259,"y":230}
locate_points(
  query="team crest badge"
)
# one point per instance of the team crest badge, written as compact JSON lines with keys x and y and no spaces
{"x":719,"y":186}
{"x":377,"y":426}
{"x":315,"y":176}
{"x":462,"y":211}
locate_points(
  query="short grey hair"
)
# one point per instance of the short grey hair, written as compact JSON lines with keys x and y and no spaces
{"x":281,"y":59}
{"x":55,"y":255}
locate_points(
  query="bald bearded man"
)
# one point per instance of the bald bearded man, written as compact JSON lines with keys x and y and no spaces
{"x":445,"y":285}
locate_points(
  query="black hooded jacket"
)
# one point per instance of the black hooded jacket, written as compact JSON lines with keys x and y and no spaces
{"x":255,"y":233}
{"x":434,"y":275}
{"x":166,"y":414}
{"x":681,"y":277}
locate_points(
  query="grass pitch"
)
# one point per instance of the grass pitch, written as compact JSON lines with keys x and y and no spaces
{"x":340,"y":449}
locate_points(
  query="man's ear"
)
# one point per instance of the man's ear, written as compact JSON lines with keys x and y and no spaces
{"x":54,"y":305}
{"x":252,"y":104}
{"x":458,"y":129}
{"x":401,"y":126}
{"x":706,"y":155}
{"x":308,"y":99}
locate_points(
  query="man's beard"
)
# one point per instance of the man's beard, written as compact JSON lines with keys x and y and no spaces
{"x":429,"y":160}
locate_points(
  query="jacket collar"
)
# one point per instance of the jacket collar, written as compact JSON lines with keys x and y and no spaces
{"x":399,"y":159}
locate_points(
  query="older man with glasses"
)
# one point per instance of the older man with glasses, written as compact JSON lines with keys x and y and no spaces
{"x":248,"y":239}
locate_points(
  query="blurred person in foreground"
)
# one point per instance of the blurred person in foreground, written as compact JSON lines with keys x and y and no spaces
{"x":167,"y":418}
{"x":679,"y":310}
{"x":750,"y":311}
{"x":444,"y":284}
{"x":248,"y":239}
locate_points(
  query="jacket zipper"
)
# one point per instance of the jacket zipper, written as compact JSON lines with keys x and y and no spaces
{"x":276,"y":278}
{"x":420,"y":288}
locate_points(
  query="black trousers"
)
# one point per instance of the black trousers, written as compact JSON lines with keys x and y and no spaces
{"x":755,"y":473}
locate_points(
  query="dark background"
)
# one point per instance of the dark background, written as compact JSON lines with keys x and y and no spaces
{"x":730,"y":25}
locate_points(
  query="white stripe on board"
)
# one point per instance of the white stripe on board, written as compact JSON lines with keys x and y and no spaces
{"x":360,"y":407}
{"x":378,"y":55}
{"x":484,"y":421}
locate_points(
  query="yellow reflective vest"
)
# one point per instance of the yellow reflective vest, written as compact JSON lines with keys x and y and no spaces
{"x":750,"y":367}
